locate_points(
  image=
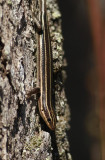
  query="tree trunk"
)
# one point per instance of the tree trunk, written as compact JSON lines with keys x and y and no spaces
{"x":23,"y":134}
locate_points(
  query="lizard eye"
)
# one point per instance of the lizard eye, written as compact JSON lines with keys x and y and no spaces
{"x":49,"y":120}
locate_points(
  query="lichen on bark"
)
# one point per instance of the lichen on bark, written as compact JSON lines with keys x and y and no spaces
{"x":23,"y":134}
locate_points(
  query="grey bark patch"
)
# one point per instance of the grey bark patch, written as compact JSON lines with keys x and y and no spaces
{"x":21,"y":136}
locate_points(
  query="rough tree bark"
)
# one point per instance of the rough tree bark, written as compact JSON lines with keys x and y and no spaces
{"x":23,"y":134}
